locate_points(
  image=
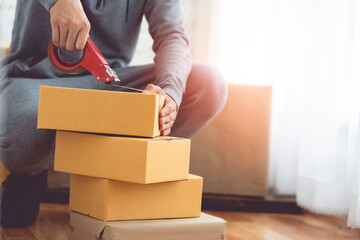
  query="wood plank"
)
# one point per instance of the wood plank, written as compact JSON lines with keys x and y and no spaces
{"x":16,"y":234}
{"x":243,"y":225}
{"x":53,"y":223}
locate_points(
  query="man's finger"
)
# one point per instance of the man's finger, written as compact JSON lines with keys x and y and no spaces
{"x":81,"y":40}
{"x":166,"y":126}
{"x":167,"y":109}
{"x":63,"y":36}
{"x":166,"y":132}
{"x":71,"y":39}
{"x":173,"y":116}
{"x":55,"y":35}
{"x":152,"y":88}
{"x":164,"y":120}
{"x":168,"y":118}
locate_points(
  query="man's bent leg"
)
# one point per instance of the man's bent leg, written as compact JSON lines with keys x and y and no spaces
{"x":20,"y":200}
{"x":26,"y":151}
{"x":23,"y":147}
{"x":204,"y":97}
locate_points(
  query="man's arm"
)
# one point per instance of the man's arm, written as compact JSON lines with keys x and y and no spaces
{"x":172,"y":50}
{"x":69,"y":24}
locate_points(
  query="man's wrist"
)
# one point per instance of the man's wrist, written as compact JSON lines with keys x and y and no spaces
{"x":174,"y":95}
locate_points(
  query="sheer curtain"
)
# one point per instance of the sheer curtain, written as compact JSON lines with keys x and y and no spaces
{"x":309,"y":51}
{"x":7,"y":15}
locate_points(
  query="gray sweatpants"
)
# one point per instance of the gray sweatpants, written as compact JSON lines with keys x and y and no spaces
{"x":26,"y":149}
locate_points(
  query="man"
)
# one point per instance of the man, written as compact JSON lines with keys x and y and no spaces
{"x":194,"y":93}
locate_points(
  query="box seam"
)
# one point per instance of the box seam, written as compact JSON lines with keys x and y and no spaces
{"x":157,"y":111}
{"x":146,"y":178}
{"x":106,"y":199}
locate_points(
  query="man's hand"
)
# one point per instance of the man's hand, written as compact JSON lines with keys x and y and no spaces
{"x":70,"y":26}
{"x":168,"y":112}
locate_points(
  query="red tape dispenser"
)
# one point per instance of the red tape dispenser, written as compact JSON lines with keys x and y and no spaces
{"x":91,"y":60}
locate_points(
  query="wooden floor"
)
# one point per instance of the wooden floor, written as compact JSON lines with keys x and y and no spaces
{"x":53,"y":224}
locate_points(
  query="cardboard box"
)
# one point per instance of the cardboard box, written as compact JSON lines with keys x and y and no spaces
{"x":138,"y":160}
{"x":206,"y":227}
{"x":111,"y":112}
{"x":3,"y":173}
{"x":111,"y":200}
{"x":4,"y":49}
{"x":234,"y":147}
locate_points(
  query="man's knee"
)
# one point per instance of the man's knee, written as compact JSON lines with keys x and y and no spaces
{"x":27,"y":155}
{"x":22,"y":147}
{"x":210,"y":86}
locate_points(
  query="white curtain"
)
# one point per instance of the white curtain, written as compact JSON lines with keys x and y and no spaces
{"x":309,"y":51}
{"x":7,"y":10}
{"x":7,"y":15}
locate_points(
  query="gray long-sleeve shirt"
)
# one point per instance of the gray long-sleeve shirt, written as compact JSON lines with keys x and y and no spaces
{"x":115,"y":26}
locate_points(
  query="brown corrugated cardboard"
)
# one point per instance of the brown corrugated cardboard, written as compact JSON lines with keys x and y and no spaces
{"x":206,"y":227}
{"x":234,"y":147}
{"x":111,"y":200}
{"x":130,"y":159}
{"x":3,"y":173}
{"x":111,"y":112}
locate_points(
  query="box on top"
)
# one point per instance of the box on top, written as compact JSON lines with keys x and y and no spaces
{"x":100,"y":111}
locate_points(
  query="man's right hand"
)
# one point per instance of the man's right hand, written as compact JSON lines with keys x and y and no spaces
{"x":70,"y":26}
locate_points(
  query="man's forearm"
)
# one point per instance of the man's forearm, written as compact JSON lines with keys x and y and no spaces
{"x":171,"y":46}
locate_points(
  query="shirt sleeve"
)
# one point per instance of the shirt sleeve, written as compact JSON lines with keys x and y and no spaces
{"x":47,"y":3}
{"x":171,"y":46}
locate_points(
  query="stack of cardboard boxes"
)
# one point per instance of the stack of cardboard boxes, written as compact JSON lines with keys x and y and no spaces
{"x":120,"y":168}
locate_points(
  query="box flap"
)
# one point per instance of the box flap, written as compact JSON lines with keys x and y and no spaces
{"x":94,"y":228}
{"x":167,"y":138}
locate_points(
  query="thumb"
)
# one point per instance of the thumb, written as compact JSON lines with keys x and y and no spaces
{"x":154,"y":88}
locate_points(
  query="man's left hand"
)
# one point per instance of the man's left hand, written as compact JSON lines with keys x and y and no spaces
{"x":167,"y":113}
